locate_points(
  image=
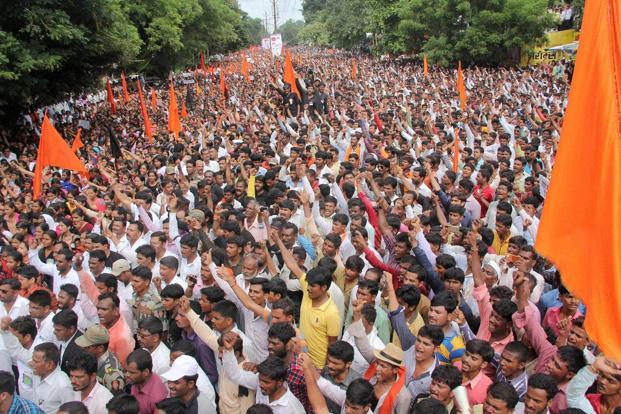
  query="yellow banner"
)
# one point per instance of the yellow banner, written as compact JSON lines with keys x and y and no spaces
{"x":542,"y":54}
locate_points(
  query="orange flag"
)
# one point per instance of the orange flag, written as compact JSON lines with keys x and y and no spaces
{"x":354,"y":70}
{"x":53,"y":151}
{"x":203,"y":68}
{"x":184,"y":110}
{"x":461,"y":88}
{"x":124,"y":84}
{"x":174,"y":124}
{"x":77,"y":141}
{"x":290,"y":74}
{"x":425,"y":65}
{"x":153,"y":100}
{"x":110,"y":97}
{"x":245,"y":68}
{"x":583,"y":240}
{"x":223,"y":87}
{"x":145,"y":115}
{"x":456,"y":151}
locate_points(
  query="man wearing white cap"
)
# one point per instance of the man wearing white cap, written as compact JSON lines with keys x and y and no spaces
{"x":182,"y":377}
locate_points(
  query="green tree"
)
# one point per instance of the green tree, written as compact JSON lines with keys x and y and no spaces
{"x":290,"y":30}
{"x":50,"y":48}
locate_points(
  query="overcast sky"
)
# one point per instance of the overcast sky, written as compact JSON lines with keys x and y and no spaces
{"x":286,"y":9}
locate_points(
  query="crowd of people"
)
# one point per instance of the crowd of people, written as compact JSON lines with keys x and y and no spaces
{"x":357,"y":244}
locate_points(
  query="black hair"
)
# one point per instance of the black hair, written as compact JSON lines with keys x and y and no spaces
{"x":505,"y":308}
{"x":152,"y":324}
{"x":142,"y":359}
{"x":369,"y":313}
{"x":7,"y":382}
{"x":70,"y":289}
{"x":116,"y":302}
{"x":447,"y":374}
{"x":277,"y":286}
{"x":226,"y":308}
{"x":66,"y":318}
{"x":360,"y":392}
{"x":445,"y":299}
{"x":172,"y":291}
{"x":519,"y":349}
{"x":73,"y":407}
{"x":274,"y":368}
{"x":214,"y":294}
{"x":50,"y":352}
{"x":544,"y":382}
{"x":259,"y":409}
{"x":283,"y":331}
{"x":573,"y":357}
{"x":433,"y":332}
{"x":142,"y":272}
{"x":83,"y":362}
{"x":13,"y":283}
{"x":41,"y":298}
{"x":354,"y":263}
{"x":185,"y":347}
{"x":505,"y":392}
{"x":428,"y":406}
{"x":446,"y":261}
{"x":147,"y":251}
{"x":342,"y":351}
{"x":123,"y":404}
{"x":171,"y":406}
{"x":455,"y":273}
{"x":482,"y":348}
{"x":319,"y":276}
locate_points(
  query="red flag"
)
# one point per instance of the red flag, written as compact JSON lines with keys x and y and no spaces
{"x":354,"y":70}
{"x":583,"y":239}
{"x":461,"y":88}
{"x":174,"y":124}
{"x":111,"y":97}
{"x":245,"y":68}
{"x":124,"y":84}
{"x":184,"y":111}
{"x":203,"y":68}
{"x":145,"y":115}
{"x":153,"y":100}
{"x":290,"y":74}
{"x":53,"y":151}
{"x":77,"y":142}
{"x":456,"y":151}
{"x":425,"y":65}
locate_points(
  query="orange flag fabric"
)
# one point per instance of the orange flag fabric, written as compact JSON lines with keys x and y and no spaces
{"x":184,"y":110}
{"x":290,"y":74}
{"x":110,"y":96}
{"x":153,"y":100}
{"x":354,"y":70}
{"x":583,"y":240}
{"x":145,"y":115}
{"x":174,"y":124}
{"x":245,"y":68}
{"x":54,"y":152}
{"x":425,"y":65}
{"x":461,"y":88}
{"x":77,"y":141}
{"x":124,"y":84}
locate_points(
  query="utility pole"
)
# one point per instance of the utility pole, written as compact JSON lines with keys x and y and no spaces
{"x":266,"y":23}
{"x":274,"y":13}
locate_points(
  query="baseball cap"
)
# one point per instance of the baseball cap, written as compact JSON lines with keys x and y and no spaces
{"x":198,"y":215}
{"x":94,"y":335}
{"x":184,"y":366}
{"x":120,"y":266}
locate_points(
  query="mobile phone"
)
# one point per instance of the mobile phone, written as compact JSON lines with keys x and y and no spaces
{"x":512,"y":259}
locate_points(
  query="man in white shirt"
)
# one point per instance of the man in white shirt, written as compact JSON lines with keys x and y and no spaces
{"x":83,"y":376}
{"x":270,"y":383}
{"x":123,"y":274}
{"x":40,"y":310}
{"x":62,"y":272}
{"x":19,"y":342}
{"x":127,"y":244}
{"x":68,"y":300}
{"x":51,"y":387}
{"x":13,"y":305}
{"x":150,"y":332}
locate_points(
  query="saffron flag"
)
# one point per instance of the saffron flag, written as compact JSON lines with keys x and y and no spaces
{"x":245,"y":68}
{"x":145,"y":115}
{"x":223,"y":87}
{"x":425,"y":65}
{"x":461,"y":88}
{"x":289,"y":76}
{"x":354,"y":70}
{"x":77,"y":141}
{"x":153,"y":100}
{"x":54,"y":152}
{"x":184,"y":110}
{"x":174,"y":124}
{"x":124,"y":84}
{"x":203,"y":68}
{"x":110,"y":97}
{"x":583,"y":239}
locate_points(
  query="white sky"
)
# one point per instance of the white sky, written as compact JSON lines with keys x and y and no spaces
{"x":286,"y":9}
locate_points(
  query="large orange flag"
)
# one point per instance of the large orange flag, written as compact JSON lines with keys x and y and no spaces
{"x":583,"y":239}
{"x":290,"y":74}
{"x":184,"y":110}
{"x":110,"y":97}
{"x":174,"y":124}
{"x":77,"y":141}
{"x":145,"y":115}
{"x":124,"y":84}
{"x":461,"y":88}
{"x":425,"y":65}
{"x":354,"y":70}
{"x":55,"y":152}
{"x":245,"y":68}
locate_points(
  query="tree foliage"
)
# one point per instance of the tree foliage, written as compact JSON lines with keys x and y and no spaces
{"x":290,"y":31}
{"x":476,"y":31}
{"x":51,"y":48}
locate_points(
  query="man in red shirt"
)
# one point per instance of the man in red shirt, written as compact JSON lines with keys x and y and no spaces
{"x":483,"y":193}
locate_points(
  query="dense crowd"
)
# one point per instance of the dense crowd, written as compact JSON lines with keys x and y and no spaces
{"x":363,"y":245}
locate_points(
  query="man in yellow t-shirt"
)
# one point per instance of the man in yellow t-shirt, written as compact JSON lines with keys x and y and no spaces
{"x":320,"y":322}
